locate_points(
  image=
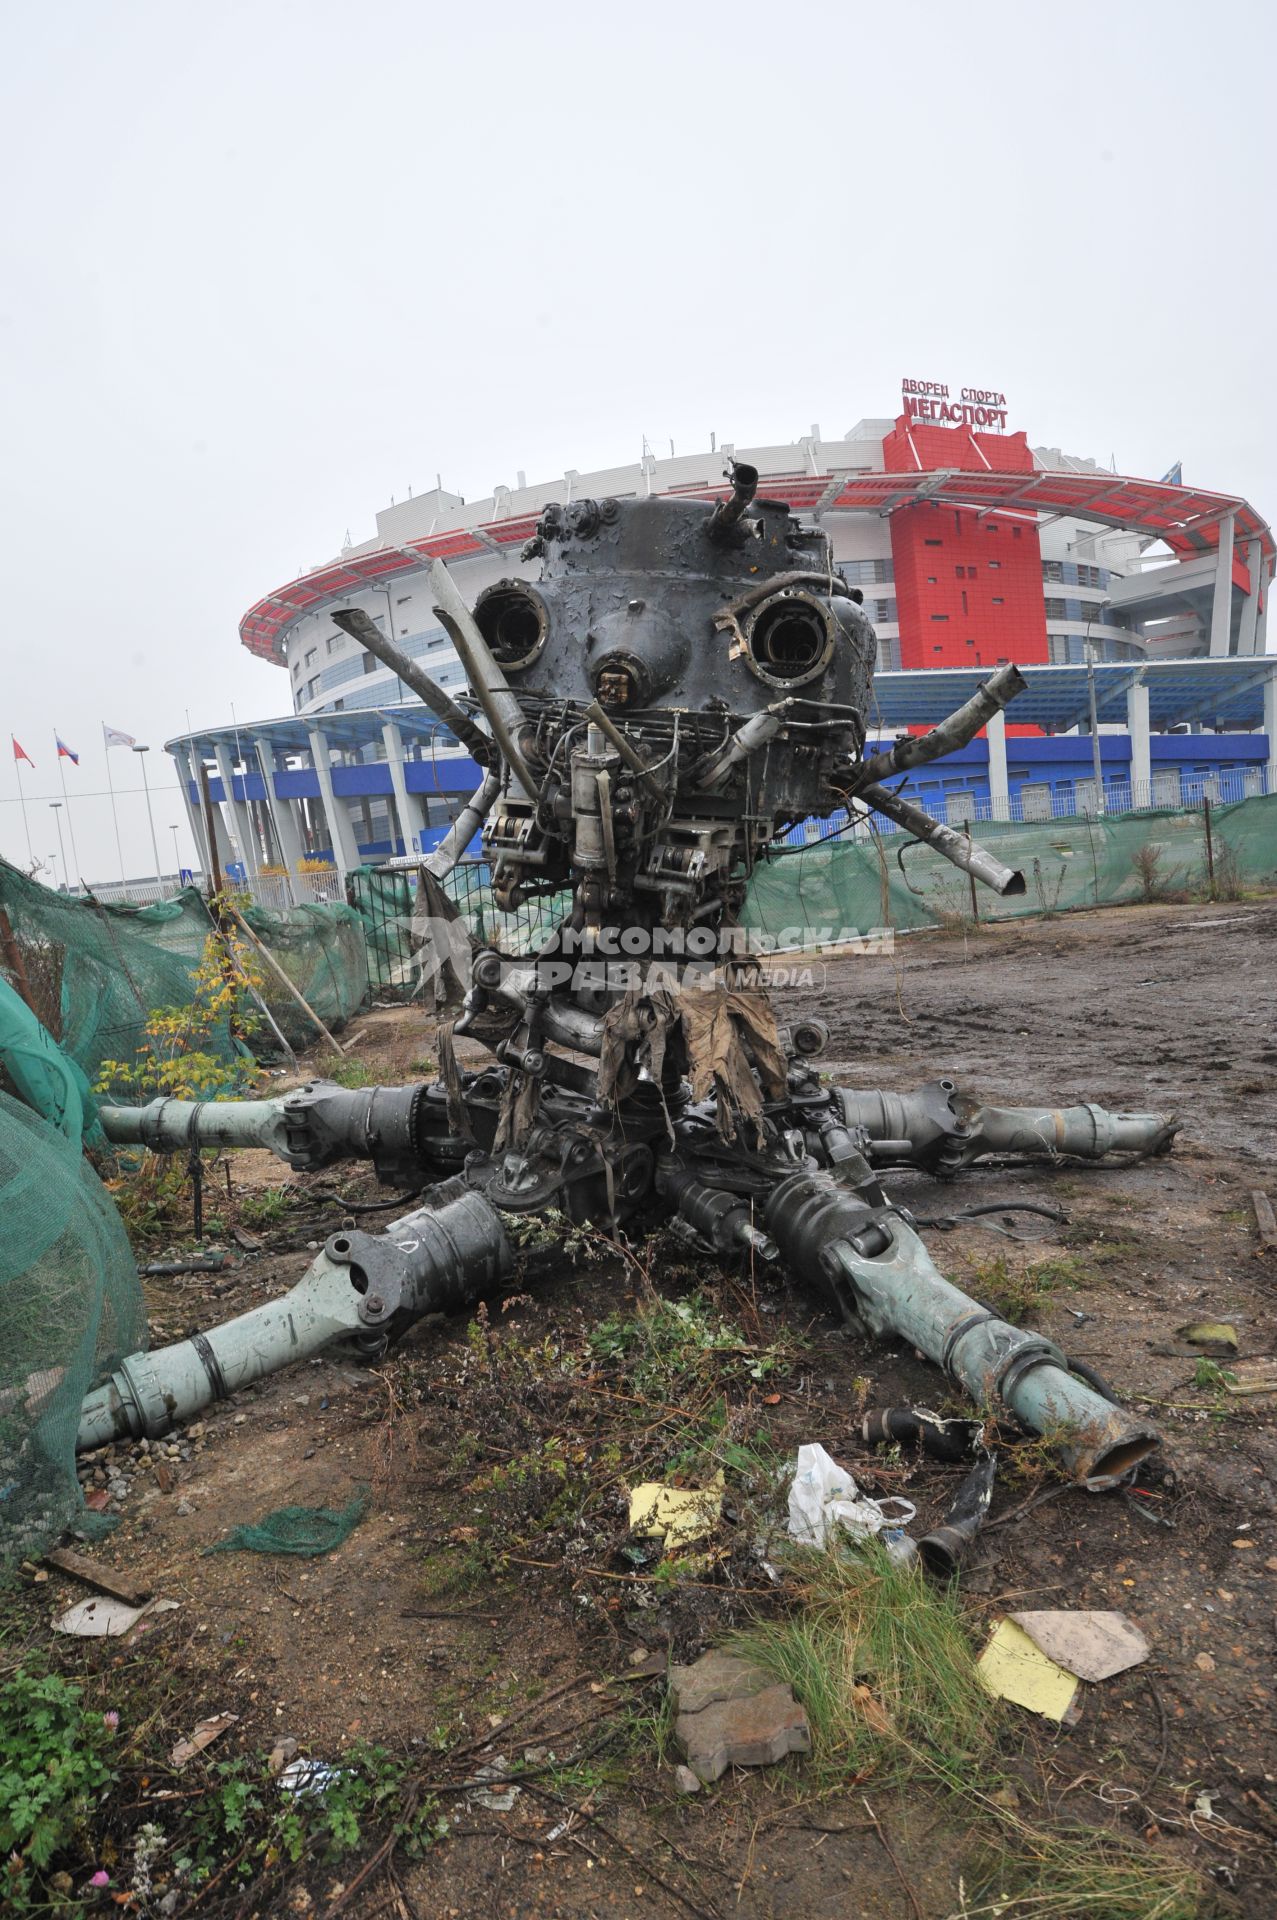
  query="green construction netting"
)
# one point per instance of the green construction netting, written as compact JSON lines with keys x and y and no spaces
{"x":70,"y":1309}
{"x":324,"y":952}
{"x":833,"y":890}
{"x":386,"y":900}
{"x":304,"y":1531}
{"x":43,"y":1077}
{"x":95,"y":973}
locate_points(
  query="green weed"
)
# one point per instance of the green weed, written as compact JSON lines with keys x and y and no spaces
{"x":244,"y":1827}
{"x":265,"y":1208}
{"x":669,"y":1346}
{"x":1016,"y":1294}
{"x":53,"y":1766}
{"x":1114,"y":1253}
{"x":1218,"y":1382}
{"x":350,"y":1073}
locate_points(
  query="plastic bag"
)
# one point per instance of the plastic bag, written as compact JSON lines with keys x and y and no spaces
{"x":824,"y":1498}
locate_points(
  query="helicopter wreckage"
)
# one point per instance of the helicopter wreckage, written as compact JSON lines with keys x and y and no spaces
{"x":684,"y":683}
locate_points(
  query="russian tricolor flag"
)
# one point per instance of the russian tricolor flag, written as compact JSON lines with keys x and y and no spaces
{"x":65,"y":753}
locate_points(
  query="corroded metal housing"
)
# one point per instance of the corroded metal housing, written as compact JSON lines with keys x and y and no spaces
{"x":659,"y":629}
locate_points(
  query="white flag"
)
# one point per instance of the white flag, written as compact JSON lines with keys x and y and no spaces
{"x":114,"y":738}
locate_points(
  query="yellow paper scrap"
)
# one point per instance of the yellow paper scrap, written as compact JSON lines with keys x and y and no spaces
{"x":681,"y":1514}
{"x":1012,"y":1668}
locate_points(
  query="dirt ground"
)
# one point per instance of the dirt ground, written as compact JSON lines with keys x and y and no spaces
{"x":1169,"y":1009}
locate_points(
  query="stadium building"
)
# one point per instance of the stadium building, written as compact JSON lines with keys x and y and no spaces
{"x":970,"y":548}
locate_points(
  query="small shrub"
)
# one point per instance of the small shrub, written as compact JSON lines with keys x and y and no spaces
{"x":1154,"y":882}
{"x":152,"y":1196}
{"x":52,"y":1767}
{"x":1048,"y":896}
{"x":1229,"y":873}
{"x":174,"y":1058}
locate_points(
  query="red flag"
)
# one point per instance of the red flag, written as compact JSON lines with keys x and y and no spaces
{"x":20,"y":753}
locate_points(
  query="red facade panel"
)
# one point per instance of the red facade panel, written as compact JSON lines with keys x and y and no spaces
{"x":968,"y":584}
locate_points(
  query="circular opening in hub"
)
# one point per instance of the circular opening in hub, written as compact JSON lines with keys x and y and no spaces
{"x":513,"y":622}
{"x":341,"y":1244}
{"x":790,"y":639}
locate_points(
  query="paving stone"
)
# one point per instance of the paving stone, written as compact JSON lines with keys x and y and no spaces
{"x":715,"y":1676}
{"x":755,"y":1730}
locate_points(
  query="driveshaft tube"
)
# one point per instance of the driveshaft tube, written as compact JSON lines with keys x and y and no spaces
{"x":883,"y":1279}
{"x":365,"y":1287}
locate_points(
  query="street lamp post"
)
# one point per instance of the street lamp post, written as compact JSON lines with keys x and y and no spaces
{"x":177,"y":858}
{"x":55,"y":808}
{"x":155,"y":851}
{"x":1097,"y":761}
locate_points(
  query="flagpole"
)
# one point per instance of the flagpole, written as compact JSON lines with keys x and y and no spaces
{"x":26,"y":825}
{"x":67,"y":800}
{"x":124,"y":884}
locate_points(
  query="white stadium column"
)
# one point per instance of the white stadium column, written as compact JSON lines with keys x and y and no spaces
{"x":999,"y":784}
{"x":1261,"y":623}
{"x":282,"y":817}
{"x":1221,"y":613}
{"x":1141,"y":748}
{"x":408,"y":807}
{"x":195,"y":807}
{"x":1250,"y":608}
{"x":241,"y":812}
{"x":222,"y":840}
{"x":340,"y":831}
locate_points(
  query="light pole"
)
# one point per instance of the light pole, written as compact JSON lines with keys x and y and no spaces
{"x":53,"y":869}
{"x":177,"y":858}
{"x":1097,"y":761}
{"x":155,"y":851}
{"x":55,"y":808}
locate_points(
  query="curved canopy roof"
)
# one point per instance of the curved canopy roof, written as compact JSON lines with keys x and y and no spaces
{"x":1188,"y":519}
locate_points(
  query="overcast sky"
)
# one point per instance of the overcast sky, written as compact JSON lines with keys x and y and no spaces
{"x":263,"y":266}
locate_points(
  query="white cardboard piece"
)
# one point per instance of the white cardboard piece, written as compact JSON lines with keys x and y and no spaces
{"x":1093,"y":1645}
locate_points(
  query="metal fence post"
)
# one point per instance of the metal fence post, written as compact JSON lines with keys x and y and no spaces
{"x":975,"y":904}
